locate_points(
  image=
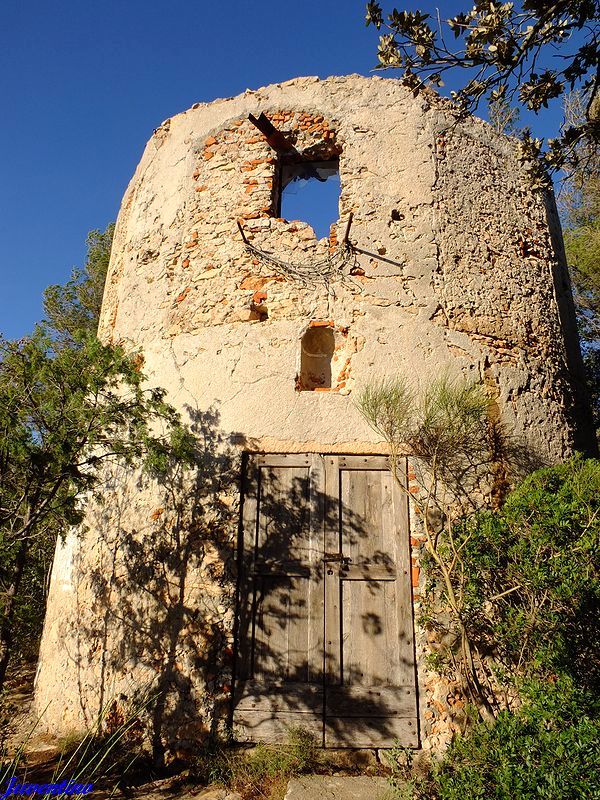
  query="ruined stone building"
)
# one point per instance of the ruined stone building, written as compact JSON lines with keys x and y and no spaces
{"x":280,"y":587}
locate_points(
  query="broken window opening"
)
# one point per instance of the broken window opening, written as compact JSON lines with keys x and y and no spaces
{"x":316,"y":352}
{"x":310,"y":191}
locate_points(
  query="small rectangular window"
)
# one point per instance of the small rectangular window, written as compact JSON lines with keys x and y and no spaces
{"x":310,"y":191}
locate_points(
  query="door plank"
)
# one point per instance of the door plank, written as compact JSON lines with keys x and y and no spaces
{"x":384,"y":701}
{"x":316,"y":591}
{"x":267,"y":726}
{"x":331,"y":571}
{"x":284,"y":460}
{"x":290,"y":696}
{"x":370,"y":731}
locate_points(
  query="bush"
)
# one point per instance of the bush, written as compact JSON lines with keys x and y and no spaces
{"x":264,"y":770}
{"x":547,"y":750}
{"x":532,"y":603}
{"x":533,"y":591}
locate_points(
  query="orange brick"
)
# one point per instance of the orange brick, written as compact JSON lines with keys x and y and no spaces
{"x":209,"y":141}
{"x":253,"y":282}
{"x":324,"y":324}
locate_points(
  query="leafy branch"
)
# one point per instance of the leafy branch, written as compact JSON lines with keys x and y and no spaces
{"x":529,"y":53}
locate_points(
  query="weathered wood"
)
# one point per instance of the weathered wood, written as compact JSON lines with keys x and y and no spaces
{"x":316,"y":599}
{"x":368,"y":572}
{"x":284,"y":460}
{"x":331,"y":571}
{"x":369,"y":606}
{"x":282,"y":545}
{"x":291,"y":696}
{"x":246,"y":564}
{"x":267,"y":726}
{"x":370,"y":731}
{"x":363,"y":462}
{"x":356,"y":701}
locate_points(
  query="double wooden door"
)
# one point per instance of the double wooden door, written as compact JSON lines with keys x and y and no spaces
{"x":325,"y":622}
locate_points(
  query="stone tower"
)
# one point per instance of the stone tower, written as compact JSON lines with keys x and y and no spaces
{"x":279,"y":588}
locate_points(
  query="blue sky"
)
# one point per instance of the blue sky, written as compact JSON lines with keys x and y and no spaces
{"x":84,"y":84}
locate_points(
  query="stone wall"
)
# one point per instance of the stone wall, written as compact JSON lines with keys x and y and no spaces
{"x":455,"y":267}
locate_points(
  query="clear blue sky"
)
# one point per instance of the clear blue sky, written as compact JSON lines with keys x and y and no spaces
{"x":84,"y":84}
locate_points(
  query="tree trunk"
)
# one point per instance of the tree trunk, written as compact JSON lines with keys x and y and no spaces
{"x":6,"y":628}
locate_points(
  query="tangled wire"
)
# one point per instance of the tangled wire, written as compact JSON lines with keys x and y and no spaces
{"x":323,"y":271}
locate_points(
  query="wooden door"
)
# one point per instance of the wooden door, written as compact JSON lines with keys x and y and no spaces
{"x":370,"y":686}
{"x":325,"y":627}
{"x":280,"y":625}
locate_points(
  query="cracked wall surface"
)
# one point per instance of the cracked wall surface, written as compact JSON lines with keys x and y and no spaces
{"x":456,"y":266}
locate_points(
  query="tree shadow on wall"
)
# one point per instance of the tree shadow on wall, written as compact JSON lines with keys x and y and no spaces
{"x":161,"y":618}
{"x":157,"y":609}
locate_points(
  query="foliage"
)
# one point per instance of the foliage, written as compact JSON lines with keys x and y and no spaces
{"x":580,"y":207}
{"x":517,"y":588}
{"x":530,"y":52}
{"x":503,"y":117}
{"x":68,"y":404}
{"x":28,"y":617}
{"x":549,"y":749}
{"x":263,"y":771}
{"x":91,"y":758}
{"x":73,"y":309}
{"x":532,"y":601}
{"x":446,"y":429}
{"x":533,"y":591}
{"x":61,"y":415}
{"x":591,"y":362}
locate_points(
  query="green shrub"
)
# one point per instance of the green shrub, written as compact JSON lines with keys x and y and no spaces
{"x":532,"y":603}
{"x":262,"y":771}
{"x":532,"y":596}
{"x":547,"y":750}
{"x":543,"y":751}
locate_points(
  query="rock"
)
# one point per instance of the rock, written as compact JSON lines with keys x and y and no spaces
{"x":327,"y":787}
{"x":210,"y":793}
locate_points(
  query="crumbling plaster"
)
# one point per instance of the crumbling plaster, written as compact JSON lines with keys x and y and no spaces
{"x":461,"y":279}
